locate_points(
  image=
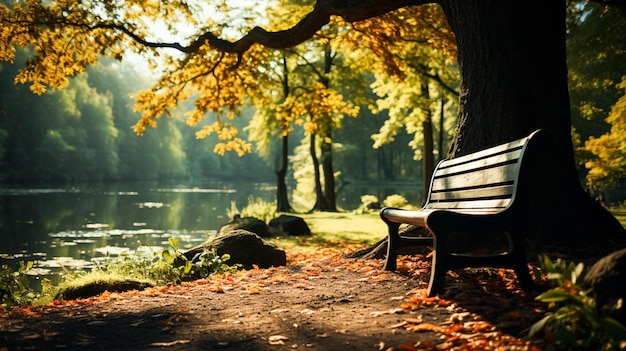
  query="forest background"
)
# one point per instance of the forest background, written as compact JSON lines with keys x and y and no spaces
{"x":84,"y":132}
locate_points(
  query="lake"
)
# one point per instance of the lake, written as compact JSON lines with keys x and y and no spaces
{"x":66,"y":227}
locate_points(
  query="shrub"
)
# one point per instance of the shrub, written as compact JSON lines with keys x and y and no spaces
{"x":169,"y":266}
{"x":577,"y":322}
{"x":14,"y":286}
{"x":395,"y":200}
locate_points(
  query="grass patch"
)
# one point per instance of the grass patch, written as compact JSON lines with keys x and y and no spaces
{"x":337,"y":230}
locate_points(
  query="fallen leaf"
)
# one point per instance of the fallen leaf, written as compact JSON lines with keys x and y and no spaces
{"x":136,"y":324}
{"x":426,"y":327}
{"x":301,"y":286}
{"x":277,"y":339}
{"x":391,"y":311}
{"x":417,"y":320}
{"x":171,"y":343}
{"x":255,"y":289}
{"x":97,"y":323}
{"x":398,"y":325}
{"x":307,"y":311}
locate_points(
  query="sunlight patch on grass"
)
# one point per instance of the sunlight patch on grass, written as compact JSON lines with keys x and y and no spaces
{"x":338,"y":230}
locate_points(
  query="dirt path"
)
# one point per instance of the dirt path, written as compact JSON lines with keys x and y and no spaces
{"x":314,"y":304}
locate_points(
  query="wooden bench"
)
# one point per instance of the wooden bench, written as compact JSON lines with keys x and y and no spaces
{"x":484,"y":192}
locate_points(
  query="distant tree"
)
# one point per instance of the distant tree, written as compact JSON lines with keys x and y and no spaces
{"x":607,"y":169}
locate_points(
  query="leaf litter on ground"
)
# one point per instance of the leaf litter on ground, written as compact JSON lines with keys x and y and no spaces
{"x":483,"y":308}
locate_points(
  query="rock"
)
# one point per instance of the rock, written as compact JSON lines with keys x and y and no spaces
{"x":607,"y":278}
{"x":245,"y":248}
{"x":291,"y":225}
{"x":250,"y":224}
{"x":97,"y":287}
{"x":373,"y":205}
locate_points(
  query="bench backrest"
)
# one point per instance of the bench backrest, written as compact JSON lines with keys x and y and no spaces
{"x":485,"y":181}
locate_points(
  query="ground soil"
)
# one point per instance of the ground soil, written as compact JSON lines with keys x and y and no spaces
{"x":317,"y":302}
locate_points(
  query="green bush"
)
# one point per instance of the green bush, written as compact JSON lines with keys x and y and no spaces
{"x":368,"y":203}
{"x":169,"y":266}
{"x":395,"y":200}
{"x":576,"y":322}
{"x":14,"y":286}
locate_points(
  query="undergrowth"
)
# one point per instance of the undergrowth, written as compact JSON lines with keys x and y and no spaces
{"x":577,"y":321}
{"x":168,"y":266}
{"x":256,"y":207}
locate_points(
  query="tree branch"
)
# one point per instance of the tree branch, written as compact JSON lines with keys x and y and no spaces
{"x":350,"y":11}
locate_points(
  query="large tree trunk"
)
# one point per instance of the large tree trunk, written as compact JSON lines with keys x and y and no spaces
{"x":514,"y":80}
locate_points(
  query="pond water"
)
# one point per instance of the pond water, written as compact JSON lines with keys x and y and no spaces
{"x":66,"y":227}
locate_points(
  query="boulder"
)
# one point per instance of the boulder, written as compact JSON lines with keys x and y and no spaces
{"x":245,"y":248}
{"x":250,"y":224}
{"x":607,"y":278}
{"x":290,"y":225}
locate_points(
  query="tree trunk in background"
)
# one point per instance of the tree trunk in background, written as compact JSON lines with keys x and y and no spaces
{"x":319,"y":193}
{"x":428,"y":159}
{"x":330,"y":197}
{"x":440,"y":148}
{"x":514,"y":80}
{"x":282,"y":198}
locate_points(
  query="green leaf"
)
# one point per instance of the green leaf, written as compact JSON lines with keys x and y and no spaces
{"x":554,"y":295}
{"x":577,"y":272}
{"x":188,"y":266}
{"x":540,"y":325}
{"x":174,"y":243}
{"x":614,"y":328}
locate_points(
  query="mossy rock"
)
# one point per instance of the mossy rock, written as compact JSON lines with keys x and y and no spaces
{"x":93,"y":284}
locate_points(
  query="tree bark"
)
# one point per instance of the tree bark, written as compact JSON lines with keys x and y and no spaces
{"x":282,"y":198}
{"x":319,"y":193}
{"x":330,"y":203}
{"x":428,"y":158}
{"x":514,"y":80}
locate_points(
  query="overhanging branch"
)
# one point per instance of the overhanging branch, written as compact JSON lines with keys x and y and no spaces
{"x":350,"y":11}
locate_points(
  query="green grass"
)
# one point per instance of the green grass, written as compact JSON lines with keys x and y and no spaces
{"x":335,"y":230}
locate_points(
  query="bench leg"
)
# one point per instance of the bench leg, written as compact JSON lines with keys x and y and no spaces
{"x":439,"y":267}
{"x":393,"y":240}
{"x":520,"y":265}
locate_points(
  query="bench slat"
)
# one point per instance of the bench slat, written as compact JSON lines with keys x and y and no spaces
{"x":500,"y":191}
{"x":517,"y":144}
{"x":447,"y":167}
{"x":494,"y":205}
{"x":496,"y":175}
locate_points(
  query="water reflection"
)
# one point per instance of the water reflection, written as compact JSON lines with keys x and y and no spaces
{"x":67,"y":228}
